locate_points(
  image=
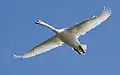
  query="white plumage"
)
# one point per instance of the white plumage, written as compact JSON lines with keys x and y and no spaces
{"x":68,"y":36}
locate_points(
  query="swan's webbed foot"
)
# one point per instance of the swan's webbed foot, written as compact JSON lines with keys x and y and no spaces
{"x":77,"y":51}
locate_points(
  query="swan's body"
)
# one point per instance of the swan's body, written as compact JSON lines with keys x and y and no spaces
{"x":68,"y":36}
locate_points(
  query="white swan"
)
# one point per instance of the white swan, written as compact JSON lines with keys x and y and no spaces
{"x":68,"y":36}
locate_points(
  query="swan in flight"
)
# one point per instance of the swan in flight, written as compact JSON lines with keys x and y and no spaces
{"x":68,"y":36}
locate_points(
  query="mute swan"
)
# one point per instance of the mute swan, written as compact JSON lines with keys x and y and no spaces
{"x":68,"y":36}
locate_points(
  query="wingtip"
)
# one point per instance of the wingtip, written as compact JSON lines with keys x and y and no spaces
{"x":107,"y":9}
{"x":16,"y":56}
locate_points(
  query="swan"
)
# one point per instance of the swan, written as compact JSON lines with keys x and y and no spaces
{"x":68,"y":36}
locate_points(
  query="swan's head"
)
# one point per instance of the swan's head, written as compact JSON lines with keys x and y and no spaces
{"x":40,"y":22}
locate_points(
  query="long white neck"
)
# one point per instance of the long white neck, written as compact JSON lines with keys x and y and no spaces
{"x":50,"y":27}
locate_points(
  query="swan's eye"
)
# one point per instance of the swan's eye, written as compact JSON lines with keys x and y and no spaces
{"x":38,"y":21}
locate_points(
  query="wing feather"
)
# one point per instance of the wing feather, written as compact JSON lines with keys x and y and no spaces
{"x":87,"y":25}
{"x":47,"y":45}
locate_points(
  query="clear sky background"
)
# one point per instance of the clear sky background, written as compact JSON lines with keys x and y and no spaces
{"x":19,"y":34}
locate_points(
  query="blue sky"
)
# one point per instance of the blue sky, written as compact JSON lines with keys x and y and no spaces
{"x":19,"y":34}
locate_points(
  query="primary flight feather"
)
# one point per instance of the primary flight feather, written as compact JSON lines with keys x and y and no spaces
{"x":68,"y":36}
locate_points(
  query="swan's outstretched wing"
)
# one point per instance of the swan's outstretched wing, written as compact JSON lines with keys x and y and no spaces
{"x":47,"y":45}
{"x":87,"y":25}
